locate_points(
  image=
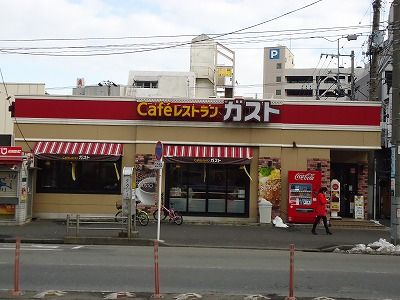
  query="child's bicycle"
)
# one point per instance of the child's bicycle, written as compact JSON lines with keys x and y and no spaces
{"x":173,"y":215}
{"x":141,"y":216}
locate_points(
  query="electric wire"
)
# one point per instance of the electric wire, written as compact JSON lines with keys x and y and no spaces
{"x":182,"y":43}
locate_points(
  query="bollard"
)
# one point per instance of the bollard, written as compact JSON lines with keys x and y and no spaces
{"x":68,"y":220}
{"x":291,"y":274}
{"x":16,"y":291}
{"x":156,"y":273}
{"x":77,"y":225}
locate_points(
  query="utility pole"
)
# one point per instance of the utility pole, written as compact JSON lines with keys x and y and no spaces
{"x":353,"y":84}
{"x":395,"y":211}
{"x":350,"y":37}
{"x":374,"y":51}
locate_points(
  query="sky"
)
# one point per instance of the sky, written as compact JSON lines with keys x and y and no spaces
{"x":35,"y":34}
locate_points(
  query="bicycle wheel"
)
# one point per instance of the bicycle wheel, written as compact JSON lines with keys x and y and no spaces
{"x":178,"y":219}
{"x":142,"y":217}
{"x":118,"y":217}
{"x":163,"y":215}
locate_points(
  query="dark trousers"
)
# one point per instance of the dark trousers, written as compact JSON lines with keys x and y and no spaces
{"x":317,"y":219}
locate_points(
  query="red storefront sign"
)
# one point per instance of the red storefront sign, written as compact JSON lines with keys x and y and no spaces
{"x":10,"y":154}
{"x":350,"y":113}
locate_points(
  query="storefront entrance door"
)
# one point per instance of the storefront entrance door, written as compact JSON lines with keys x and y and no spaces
{"x":347,"y":175}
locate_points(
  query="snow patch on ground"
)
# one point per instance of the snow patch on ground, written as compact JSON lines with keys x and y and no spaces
{"x":379,"y":247}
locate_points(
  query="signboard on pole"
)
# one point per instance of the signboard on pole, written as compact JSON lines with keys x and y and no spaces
{"x":159,"y":150}
{"x":335,"y":198}
{"x":358,"y":207}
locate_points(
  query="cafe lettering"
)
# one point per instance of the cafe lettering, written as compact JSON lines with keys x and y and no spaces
{"x":237,"y":110}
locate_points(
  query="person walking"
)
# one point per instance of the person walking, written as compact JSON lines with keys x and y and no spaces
{"x":321,"y":211}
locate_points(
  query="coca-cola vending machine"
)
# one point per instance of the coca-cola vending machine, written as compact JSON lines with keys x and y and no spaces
{"x":302,"y":196}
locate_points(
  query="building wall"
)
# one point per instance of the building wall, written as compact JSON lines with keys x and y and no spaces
{"x":12,"y":89}
{"x":140,"y":140}
{"x":170,"y":84}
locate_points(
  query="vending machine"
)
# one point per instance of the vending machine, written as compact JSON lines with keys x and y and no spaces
{"x":302,"y":195}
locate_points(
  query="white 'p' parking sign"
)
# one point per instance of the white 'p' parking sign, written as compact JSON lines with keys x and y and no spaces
{"x":274,"y":53}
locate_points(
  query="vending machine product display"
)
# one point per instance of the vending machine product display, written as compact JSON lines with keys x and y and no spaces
{"x":302,"y":195}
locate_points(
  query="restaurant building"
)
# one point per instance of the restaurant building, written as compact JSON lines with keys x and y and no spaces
{"x":221,"y":155}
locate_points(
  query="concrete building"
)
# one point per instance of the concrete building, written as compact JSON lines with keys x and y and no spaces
{"x":9,"y":90}
{"x":212,"y":75}
{"x":143,"y":84}
{"x":214,"y":68}
{"x":161,"y":84}
{"x":282,"y":80}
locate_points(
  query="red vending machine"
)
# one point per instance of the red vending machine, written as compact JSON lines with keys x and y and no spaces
{"x":302,"y":195}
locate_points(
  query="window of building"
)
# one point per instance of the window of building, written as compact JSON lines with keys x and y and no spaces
{"x":299,"y":92}
{"x":278,"y":92}
{"x":279,"y":66}
{"x":278,"y":79}
{"x":145,"y":84}
{"x":299,"y":79}
{"x":78,"y":177}
{"x":205,"y":189}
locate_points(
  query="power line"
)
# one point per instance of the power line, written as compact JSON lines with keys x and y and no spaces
{"x":178,"y":44}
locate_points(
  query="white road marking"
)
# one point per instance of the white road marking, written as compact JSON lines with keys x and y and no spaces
{"x":45,"y":246}
{"x":77,"y":247}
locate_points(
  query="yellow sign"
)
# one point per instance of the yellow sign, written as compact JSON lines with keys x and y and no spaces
{"x":225,"y":72}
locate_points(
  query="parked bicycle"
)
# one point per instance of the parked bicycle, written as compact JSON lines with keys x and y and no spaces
{"x":141,"y":216}
{"x":172,"y":214}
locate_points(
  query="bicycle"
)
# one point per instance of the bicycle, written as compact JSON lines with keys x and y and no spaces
{"x":172,"y":214}
{"x":141,"y":216}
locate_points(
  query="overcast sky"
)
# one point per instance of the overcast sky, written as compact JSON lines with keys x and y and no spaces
{"x":121,"y":23}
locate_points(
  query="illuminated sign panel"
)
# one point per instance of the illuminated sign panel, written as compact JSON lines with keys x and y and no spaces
{"x":230,"y":111}
{"x":179,"y":111}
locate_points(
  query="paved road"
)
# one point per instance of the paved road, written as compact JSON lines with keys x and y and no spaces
{"x":204,"y":270}
{"x":235,"y":236}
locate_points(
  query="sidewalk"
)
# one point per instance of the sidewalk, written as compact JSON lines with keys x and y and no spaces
{"x":251,"y":236}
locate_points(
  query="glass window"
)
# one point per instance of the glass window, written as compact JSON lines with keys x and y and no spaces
{"x":145,"y":84}
{"x":78,"y":177}
{"x":279,"y":66}
{"x":278,"y":78}
{"x":207,"y":189}
{"x":278,"y":92}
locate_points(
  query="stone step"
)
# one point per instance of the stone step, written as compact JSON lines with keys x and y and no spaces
{"x":356,"y":223}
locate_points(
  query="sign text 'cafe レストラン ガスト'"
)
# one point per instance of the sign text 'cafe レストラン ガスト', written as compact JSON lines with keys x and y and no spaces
{"x":230,"y":111}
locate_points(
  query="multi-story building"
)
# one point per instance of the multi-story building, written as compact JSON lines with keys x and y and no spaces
{"x":214,"y":68}
{"x":143,"y":84}
{"x":211,"y":74}
{"x":282,"y":80}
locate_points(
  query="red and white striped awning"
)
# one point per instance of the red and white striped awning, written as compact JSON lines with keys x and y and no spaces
{"x":78,"y":148}
{"x":208,"y":151}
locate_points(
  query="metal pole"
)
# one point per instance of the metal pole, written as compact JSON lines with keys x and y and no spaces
{"x":77,"y":225}
{"x":159,"y":204}
{"x":353,"y":87}
{"x":156,"y":273}
{"x":16,"y":291}
{"x":374,"y":202}
{"x":395,"y":211}
{"x":291,"y":274}
{"x":129,"y":218}
{"x":68,"y":224}
{"x":338,"y":70}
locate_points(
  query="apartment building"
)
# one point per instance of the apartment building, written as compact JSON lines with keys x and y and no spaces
{"x":281,"y":80}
